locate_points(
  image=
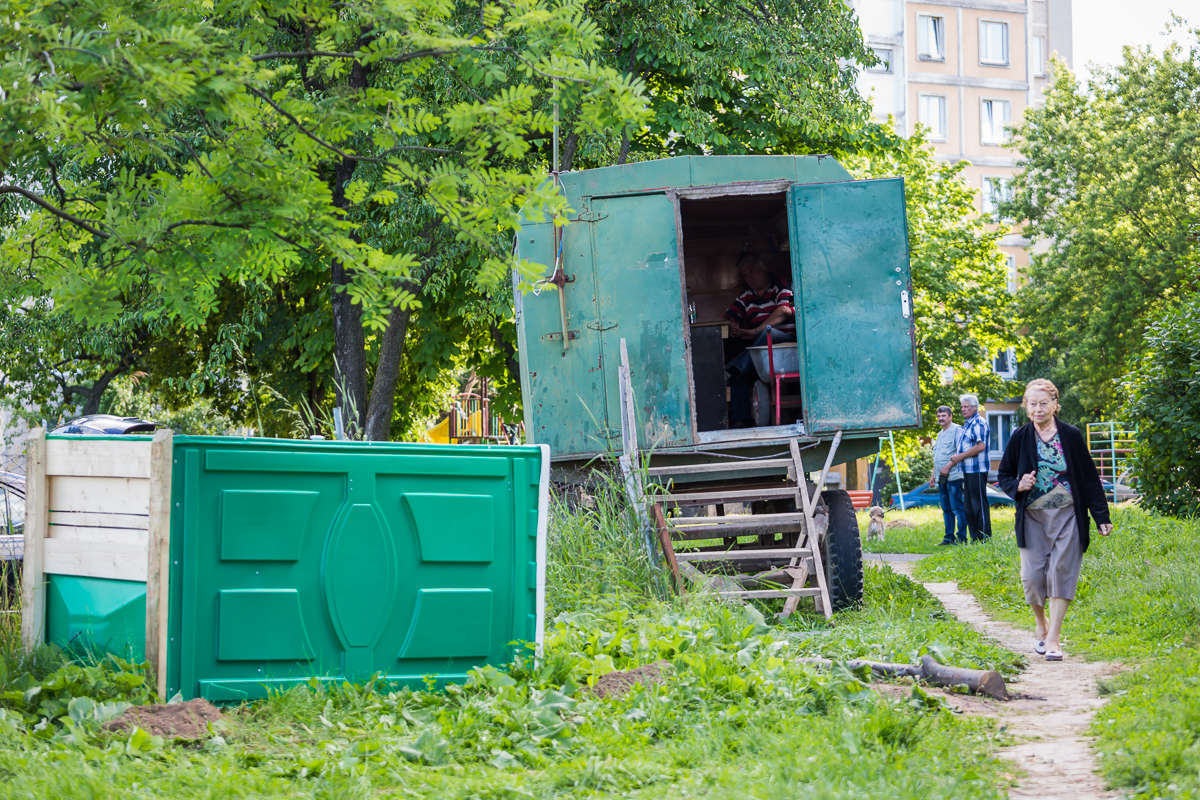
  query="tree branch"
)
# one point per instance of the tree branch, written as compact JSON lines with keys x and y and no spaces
{"x":300,"y":127}
{"x":58,"y":212}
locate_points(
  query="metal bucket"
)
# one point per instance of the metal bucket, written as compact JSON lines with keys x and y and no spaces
{"x":787,"y":359}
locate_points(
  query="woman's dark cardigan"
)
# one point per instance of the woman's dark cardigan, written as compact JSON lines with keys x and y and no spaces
{"x":1020,"y":458}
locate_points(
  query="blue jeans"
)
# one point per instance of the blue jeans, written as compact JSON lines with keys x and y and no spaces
{"x":742,"y":374}
{"x":951,"y":495}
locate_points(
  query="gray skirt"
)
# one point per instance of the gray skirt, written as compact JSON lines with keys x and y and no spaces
{"x":1051,"y":557}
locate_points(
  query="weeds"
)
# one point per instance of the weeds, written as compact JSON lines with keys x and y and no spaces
{"x":738,"y":715}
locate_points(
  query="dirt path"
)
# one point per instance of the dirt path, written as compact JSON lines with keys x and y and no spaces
{"x":1051,"y":717}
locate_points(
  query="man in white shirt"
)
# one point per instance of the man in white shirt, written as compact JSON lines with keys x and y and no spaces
{"x":950,"y":486}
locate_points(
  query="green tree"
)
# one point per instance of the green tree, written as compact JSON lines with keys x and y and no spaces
{"x":961,"y":305}
{"x":1110,"y":181}
{"x":1162,"y":391}
{"x":158,"y":152}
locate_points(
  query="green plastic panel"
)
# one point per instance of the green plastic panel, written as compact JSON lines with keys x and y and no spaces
{"x":96,"y":615}
{"x":264,"y":526}
{"x":849,"y":245}
{"x":295,"y":560}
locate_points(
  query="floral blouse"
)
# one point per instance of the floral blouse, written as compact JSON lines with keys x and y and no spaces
{"x":1051,"y":488}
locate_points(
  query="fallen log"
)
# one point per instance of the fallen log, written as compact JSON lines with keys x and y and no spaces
{"x":977,"y":681}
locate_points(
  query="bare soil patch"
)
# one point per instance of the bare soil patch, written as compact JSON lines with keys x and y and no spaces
{"x":620,"y":683}
{"x":1050,"y":712}
{"x":176,"y":720}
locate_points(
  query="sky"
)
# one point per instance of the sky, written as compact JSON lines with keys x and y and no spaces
{"x":1103,"y":27}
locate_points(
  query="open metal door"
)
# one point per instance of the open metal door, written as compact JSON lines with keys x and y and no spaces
{"x":639,"y":291}
{"x":849,"y":247}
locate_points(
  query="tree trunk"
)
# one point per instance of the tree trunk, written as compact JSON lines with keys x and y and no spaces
{"x":387,"y":374}
{"x":349,"y":342}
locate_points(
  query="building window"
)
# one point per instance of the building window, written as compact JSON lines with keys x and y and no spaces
{"x":1011,"y":280}
{"x":1000,"y":424}
{"x":1005,"y":363}
{"x":884,"y":54}
{"x":996,"y":190}
{"x":994,"y":115}
{"x":1039,"y":56}
{"x":931,"y":38}
{"x":993,"y":43}
{"x":931,"y":112}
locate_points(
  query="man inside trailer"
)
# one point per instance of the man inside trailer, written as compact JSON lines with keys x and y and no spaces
{"x":764,"y":304}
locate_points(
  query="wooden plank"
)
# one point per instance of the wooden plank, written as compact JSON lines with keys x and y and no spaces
{"x":122,"y":562}
{"x":761,"y":593}
{"x":100,"y":495}
{"x":725,"y":526}
{"x":734,"y":466}
{"x":75,"y":533}
{"x":98,"y":458}
{"x":158,"y":555}
{"x":664,"y":541}
{"x":729,"y":496}
{"x":732,"y":555}
{"x":33,"y":583}
{"x":703,"y":534}
{"x":90,"y":519}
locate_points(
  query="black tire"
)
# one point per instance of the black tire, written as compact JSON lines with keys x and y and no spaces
{"x":841,"y":551}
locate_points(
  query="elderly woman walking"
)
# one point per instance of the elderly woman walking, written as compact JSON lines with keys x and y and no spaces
{"x":1049,"y":472}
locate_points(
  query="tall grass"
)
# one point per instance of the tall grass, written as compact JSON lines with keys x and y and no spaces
{"x":596,"y":548}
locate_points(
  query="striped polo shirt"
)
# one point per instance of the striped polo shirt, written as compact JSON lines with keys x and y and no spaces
{"x":751,"y":310}
{"x":974,"y":430}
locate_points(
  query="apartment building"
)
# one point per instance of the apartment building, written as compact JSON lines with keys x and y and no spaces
{"x":965,"y":70}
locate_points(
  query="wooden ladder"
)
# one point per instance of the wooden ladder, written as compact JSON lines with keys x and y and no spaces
{"x":789,"y":581}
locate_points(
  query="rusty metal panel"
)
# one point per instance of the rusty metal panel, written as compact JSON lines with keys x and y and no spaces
{"x":640,"y":294}
{"x":562,"y":391}
{"x":849,"y":245}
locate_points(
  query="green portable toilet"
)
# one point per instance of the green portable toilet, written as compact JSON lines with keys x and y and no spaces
{"x":650,"y":257}
{"x":242,"y":566}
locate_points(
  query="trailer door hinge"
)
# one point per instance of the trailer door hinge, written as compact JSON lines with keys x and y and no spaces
{"x":557,"y":336}
{"x":904,"y":307}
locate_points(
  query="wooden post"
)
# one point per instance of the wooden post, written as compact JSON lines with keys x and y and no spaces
{"x":37,"y":519}
{"x":158,"y":565}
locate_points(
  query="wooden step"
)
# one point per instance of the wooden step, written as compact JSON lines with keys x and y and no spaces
{"x":759,"y":593}
{"x":727,"y":466}
{"x":729,"y":496}
{"x":730,"y":555}
{"x":740,"y":524}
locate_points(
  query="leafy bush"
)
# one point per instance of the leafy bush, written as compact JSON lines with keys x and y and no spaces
{"x":914,"y":471}
{"x":1163,"y":400}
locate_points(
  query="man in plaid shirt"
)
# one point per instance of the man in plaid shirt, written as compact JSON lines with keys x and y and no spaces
{"x":972,"y":456}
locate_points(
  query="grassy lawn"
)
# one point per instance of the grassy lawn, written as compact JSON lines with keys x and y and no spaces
{"x":918,"y":530}
{"x":737,"y":717}
{"x":1138,"y":602}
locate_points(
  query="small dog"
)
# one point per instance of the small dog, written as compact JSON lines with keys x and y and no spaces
{"x":875,"y":528}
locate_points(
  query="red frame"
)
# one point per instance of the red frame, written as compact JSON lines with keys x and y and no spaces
{"x":778,"y":377}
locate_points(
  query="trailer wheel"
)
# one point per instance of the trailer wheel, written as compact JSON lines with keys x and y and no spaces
{"x":760,"y":404}
{"x":841,"y":550}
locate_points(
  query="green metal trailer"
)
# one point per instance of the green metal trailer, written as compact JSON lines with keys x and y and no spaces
{"x":650,"y":241}
{"x":650,"y":258}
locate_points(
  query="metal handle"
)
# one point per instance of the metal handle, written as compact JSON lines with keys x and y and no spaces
{"x":904,"y":307}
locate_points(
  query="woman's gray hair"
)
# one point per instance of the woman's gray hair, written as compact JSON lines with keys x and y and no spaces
{"x":969,"y":399}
